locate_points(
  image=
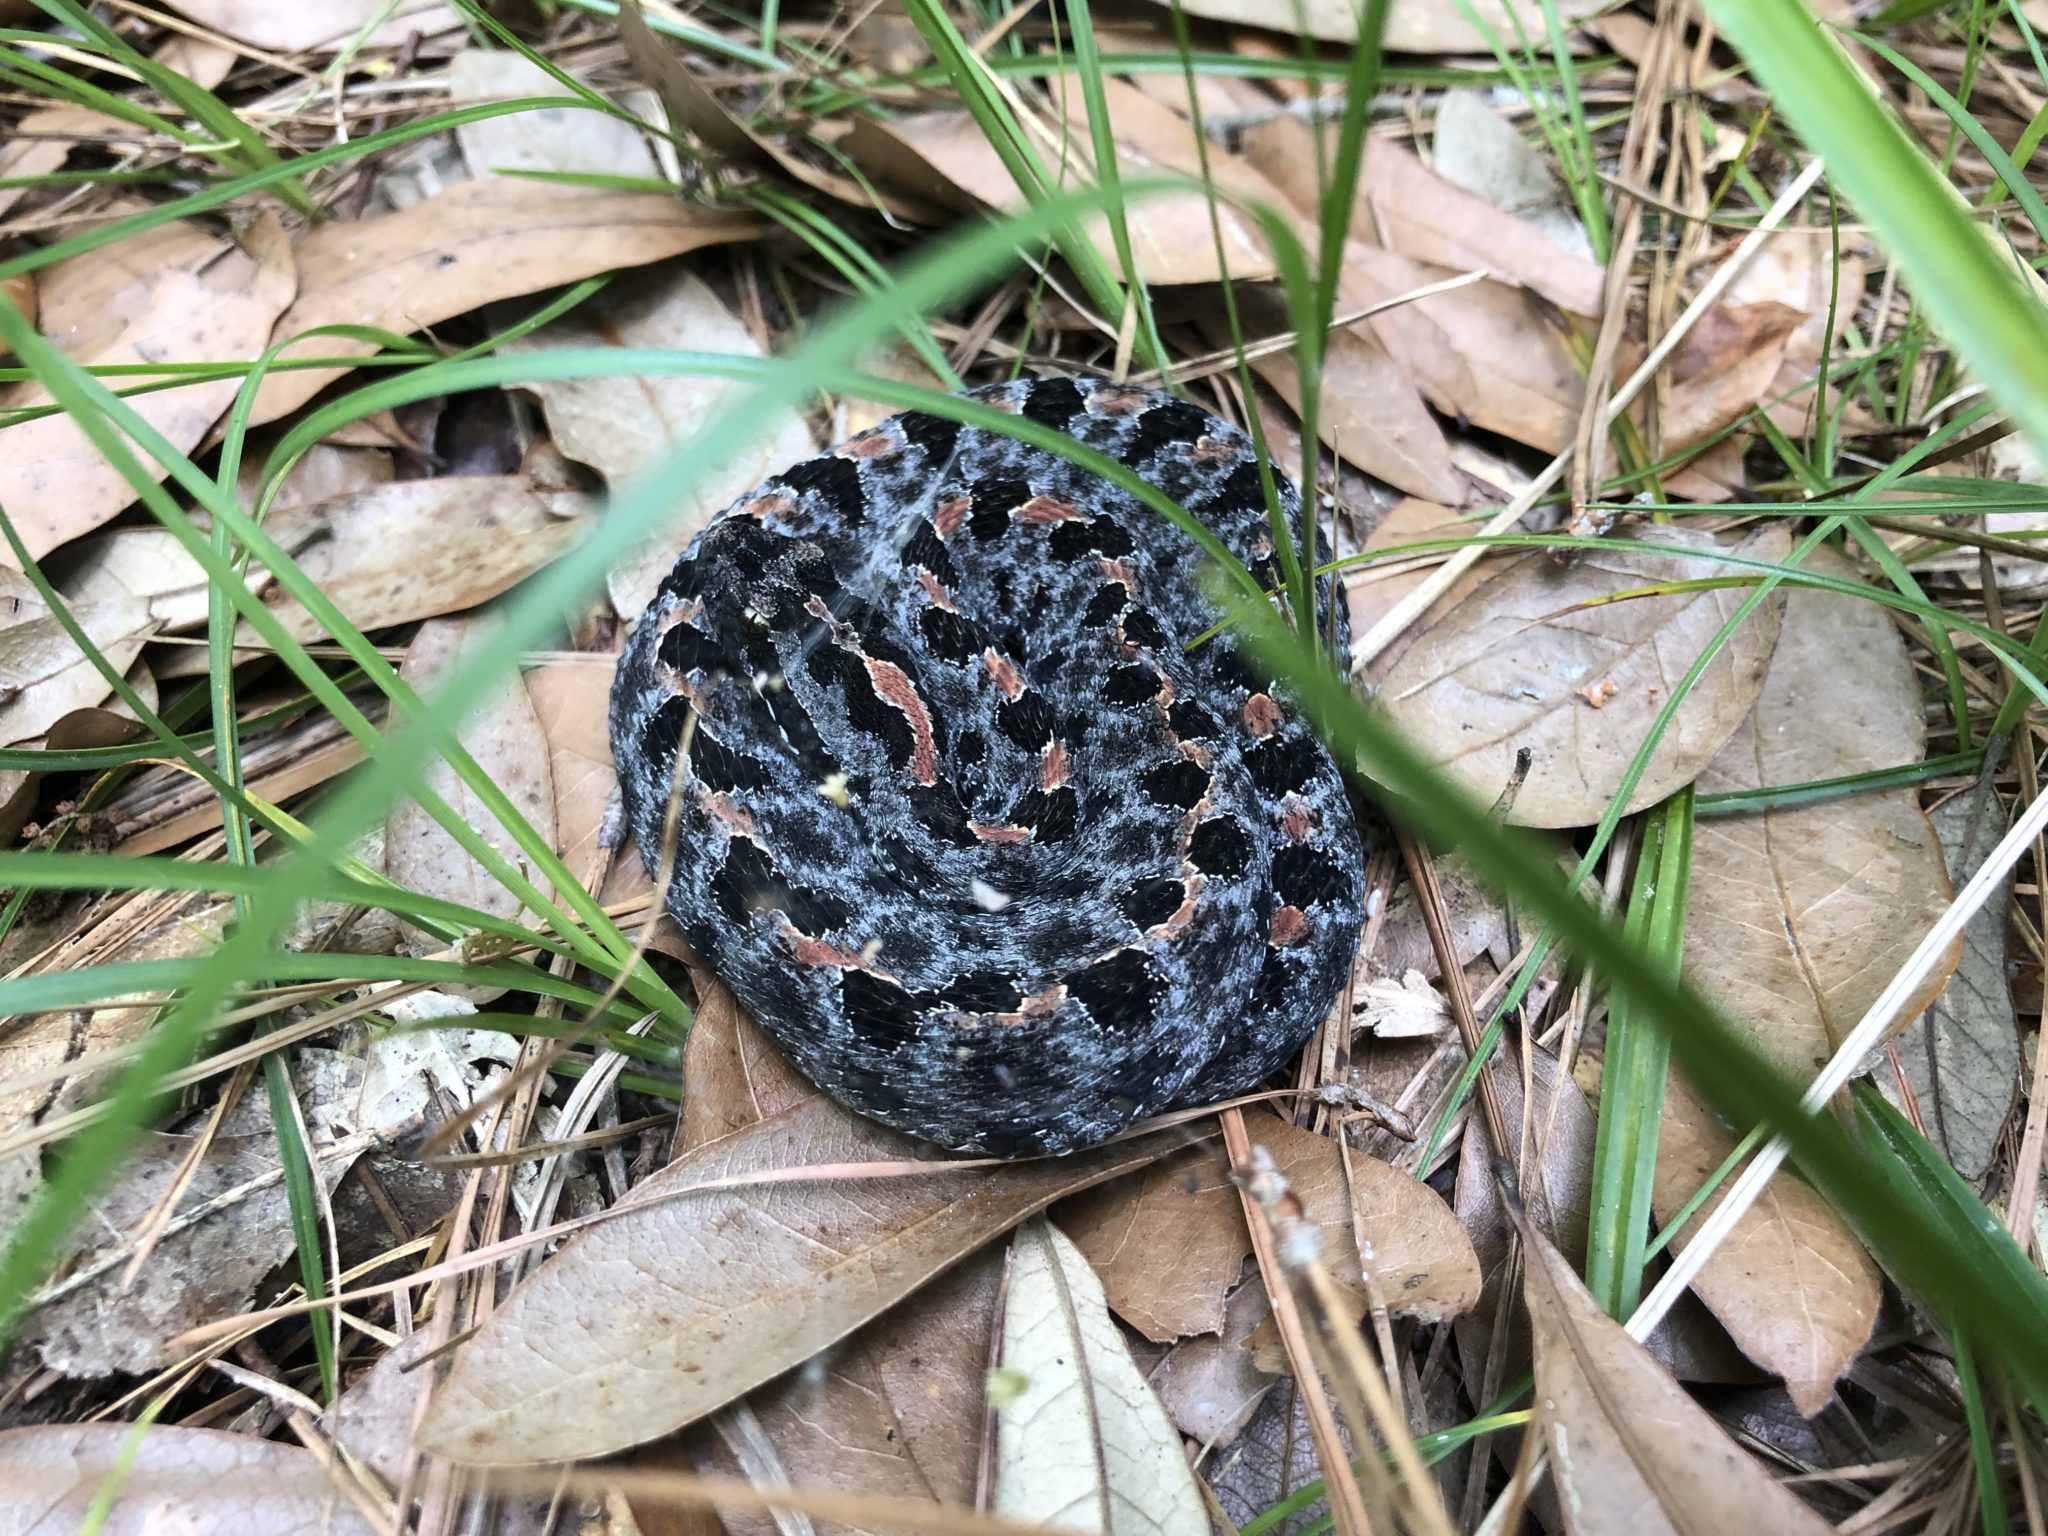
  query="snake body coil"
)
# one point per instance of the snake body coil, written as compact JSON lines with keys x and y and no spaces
{"x":988,"y":852}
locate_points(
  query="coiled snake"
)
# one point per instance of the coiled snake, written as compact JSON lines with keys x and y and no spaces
{"x":992,"y":856}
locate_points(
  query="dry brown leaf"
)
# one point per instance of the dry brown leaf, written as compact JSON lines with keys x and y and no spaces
{"x":573,"y":705}
{"x":1796,"y":267}
{"x":418,"y":549}
{"x":1370,"y":416}
{"x":166,"y":1479}
{"x":209,"y":1269}
{"x":320,"y":28}
{"x":1210,"y":1384}
{"x":881,"y":1413}
{"x":1791,"y":1283}
{"x":1374,"y":590}
{"x":1412,"y":26}
{"x":695,"y":111}
{"x":169,"y":295}
{"x":1081,"y":1442}
{"x":1962,"y":1056}
{"x":1524,"y":664}
{"x":1799,"y":916}
{"x":505,"y":739}
{"x":656,"y":1318}
{"x":1631,"y":1453}
{"x":1476,"y":148}
{"x":44,"y":676}
{"x":471,"y":245}
{"x":1170,"y":1248}
{"x":733,"y":1075}
{"x":572,"y":139}
{"x":942,"y":154}
{"x":894,"y":1411}
{"x":42,"y":141}
{"x":623,"y":426}
{"x":1418,"y":214}
{"x":1723,"y":367}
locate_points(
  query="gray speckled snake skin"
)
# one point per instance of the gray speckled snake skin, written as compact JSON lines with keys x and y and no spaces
{"x":992,"y":857}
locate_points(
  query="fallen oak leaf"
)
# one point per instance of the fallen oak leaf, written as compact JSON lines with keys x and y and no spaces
{"x":458,"y":250}
{"x":1632,"y":1453}
{"x":1081,"y":1440}
{"x":1505,"y":672}
{"x":163,"y":1477}
{"x":685,"y":1304}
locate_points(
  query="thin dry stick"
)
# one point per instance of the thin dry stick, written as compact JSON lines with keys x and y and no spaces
{"x":1420,"y":601}
{"x":1346,"y":1499}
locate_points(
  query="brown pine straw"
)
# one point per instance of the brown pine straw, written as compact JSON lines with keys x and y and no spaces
{"x":1340,"y":1486}
{"x":876,"y":1512}
{"x":1334,"y":1348}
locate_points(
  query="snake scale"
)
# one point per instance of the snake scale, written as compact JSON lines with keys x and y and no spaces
{"x":988,"y":851}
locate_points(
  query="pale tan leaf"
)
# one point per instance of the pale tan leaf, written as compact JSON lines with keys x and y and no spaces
{"x":1800,"y":915}
{"x":320,"y":28}
{"x":505,"y":739}
{"x":1962,"y":1056}
{"x":696,"y":112}
{"x":1475,"y":148}
{"x":1375,"y":589}
{"x":1413,"y":26}
{"x":1524,"y":664}
{"x":169,"y":295}
{"x":1083,"y":1444}
{"x":1419,"y":214}
{"x":1791,"y":1283}
{"x":474,"y":243}
{"x":1210,"y":1385}
{"x":943,"y":154}
{"x":656,"y":1318}
{"x":552,"y":139}
{"x":418,"y":549}
{"x":166,"y":1481}
{"x":572,"y":702}
{"x":1370,"y":414}
{"x":623,"y":426}
{"x":42,"y":141}
{"x":733,"y":1075}
{"x":44,"y":676}
{"x":1631,"y":1453}
{"x":207,"y":1269}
